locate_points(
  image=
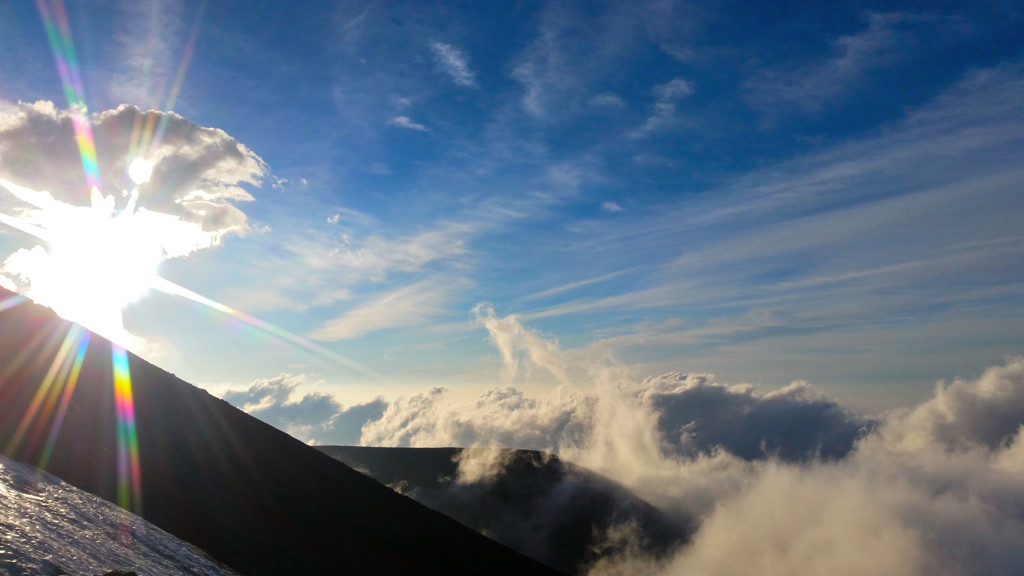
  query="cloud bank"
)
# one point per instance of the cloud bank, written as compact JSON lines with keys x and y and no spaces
{"x":783,"y":481}
{"x":315,"y":417}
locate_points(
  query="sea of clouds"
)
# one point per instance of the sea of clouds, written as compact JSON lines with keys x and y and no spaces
{"x":782,"y":481}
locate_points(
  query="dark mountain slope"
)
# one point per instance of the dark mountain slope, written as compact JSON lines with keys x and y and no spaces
{"x":553,"y":511}
{"x":246,"y":493}
{"x":48,"y":527}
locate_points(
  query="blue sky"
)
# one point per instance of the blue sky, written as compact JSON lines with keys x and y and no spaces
{"x":797,"y":191}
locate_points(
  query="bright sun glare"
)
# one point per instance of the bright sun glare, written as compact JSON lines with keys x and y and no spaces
{"x":100,"y":259}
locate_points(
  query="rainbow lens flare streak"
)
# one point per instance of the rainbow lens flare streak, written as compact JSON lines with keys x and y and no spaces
{"x":69,"y":390}
{"x":59,"y":33}
{"x":11,"y":302}
{"x":58,"y":385}
{"x":179,"y":78}
{"x":129,"y":478}
{"x":169,"y":287}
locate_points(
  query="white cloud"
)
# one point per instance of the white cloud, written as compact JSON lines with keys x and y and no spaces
{"x":887,"y":38}
{"x":673,"y":89}
{"x":377,"y":255}
{"x":352,"y":216}
{"x":785,"y":481}
{"x":573,"y":285}
{"x":737,"y":265}
{"x":151,"y":40}
{"x":608,"y":100}
{"x":796,"y":485}
{"x":107,"y":242}
{"x":197,"y":171}
{"x":512,"y":340}
{"x":454,"y":63}
{"x":665,"y":106}
{"x":408,"y":305}
{"x":574,"y":52}
{"x":611,"y":207}
{"x":313,"y":417}
{"x":406,"y":122}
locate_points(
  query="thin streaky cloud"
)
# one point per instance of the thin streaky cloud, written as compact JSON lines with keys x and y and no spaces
{"x":150,"y":37}
{"x":454,"y":63}
{"x":574,"y":285}
{"x":611,"y":207}
{"x":352,"y":217}
{"x":408,"y":305}
{"x":810,"y":88}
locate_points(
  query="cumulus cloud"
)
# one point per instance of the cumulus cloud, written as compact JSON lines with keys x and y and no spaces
{"x":314,"y":417}
{"x":197,"y":172}
{"x":611,"y":207}
{"x":515,"y":341}
{"x":690,"y":414}
{"x":985,"y":413}
{"x":502,"y":416}
{"x":407,"y":123}
{"x":454,"y":63}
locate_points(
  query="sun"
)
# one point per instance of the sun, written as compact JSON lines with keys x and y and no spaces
{"x":99,"y":259}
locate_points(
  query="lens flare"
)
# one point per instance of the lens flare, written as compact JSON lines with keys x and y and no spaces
{"x":129,"y":479}
{"x":59,"y":383}
{"x":65,"y":401}
{"x":169,"y":287}
{"x":179,"y":78}
{"x":59,"y":33}
{"x":11,"y":302}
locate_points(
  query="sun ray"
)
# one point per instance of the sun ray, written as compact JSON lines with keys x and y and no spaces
{"x":169,"y":287}
{"x":129,"y":480}
{"x":179,"y":77}
{"x":11,"y":301}
{"x":70,"y":384}
{"x":38,"y":410}
{"x":58,"y":30}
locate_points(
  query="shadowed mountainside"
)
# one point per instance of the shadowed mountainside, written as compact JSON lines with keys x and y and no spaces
{"x":553,"y":511}
{"x":248,"y":494}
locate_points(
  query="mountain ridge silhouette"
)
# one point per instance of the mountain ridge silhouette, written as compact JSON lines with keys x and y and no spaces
{"x":249,"y":495}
